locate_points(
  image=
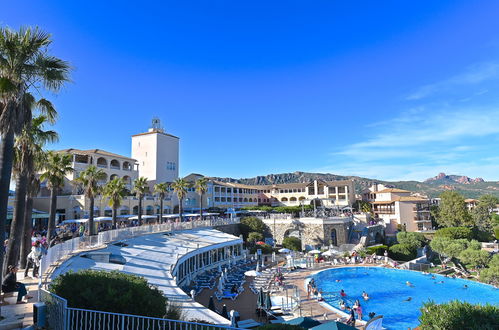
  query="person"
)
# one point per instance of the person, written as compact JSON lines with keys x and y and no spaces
{"x":365,"y":295}
{"x":371,"y":315}
{"x":465,"y":286}
{"x":359,"y":311}
{"x":342,"y":293}
{"x":409,"y":284}
{"x":386,"y":256}
{"x":233,"y":289}
{"x":34,"y":259}
{"x":351,"y":318}
{"x":10,"y":284}
{"x":319,"y":296}
{"x":408,"y":299}
{"x":342,"y":304}
{"x":81,"y":230}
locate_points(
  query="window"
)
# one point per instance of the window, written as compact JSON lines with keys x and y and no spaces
{"x":171,"y":166}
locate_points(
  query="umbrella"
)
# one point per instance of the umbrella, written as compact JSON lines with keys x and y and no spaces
{"x":314,"y":251}
{"x":268,"y":302}
{"x":224,"y":312}
{"x":334,"y":325}
{"x":260,"y":298}
{"x":211,"y":304}
{"x":252,"y":273}
{"x":260,"y":243}
{"x":328,"y":253}
{"x":284,"y":250}
{"x":304,"y":322}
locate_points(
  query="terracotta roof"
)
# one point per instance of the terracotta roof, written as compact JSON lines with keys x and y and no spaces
{"x":391,"y":190}
{"x":412,"y":199}
{"x":146,"y":133}
{"x":470,"y":200}
{"x":383,"y":202}
{"x":94,"y":151}
{"x":233,"y":185}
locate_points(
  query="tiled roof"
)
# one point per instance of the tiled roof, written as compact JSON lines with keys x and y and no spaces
{"x":391,"y":190}
{"x":93,"y":152}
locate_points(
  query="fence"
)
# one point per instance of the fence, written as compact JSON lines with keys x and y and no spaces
{"x":61,"y":317}
{"x":60,"y":251}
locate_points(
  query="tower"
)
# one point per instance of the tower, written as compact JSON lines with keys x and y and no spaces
{"x":157,"y":153}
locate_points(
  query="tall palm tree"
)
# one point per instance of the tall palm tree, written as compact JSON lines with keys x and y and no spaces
{"x":33,"y":189}
{"x":201,"y":188}
{"x":27,"y":146}
{"x":140,"y":188}
{"x":89,"y":179}
{"x":180,"y":187}
{"x":25,"y":64}
{"x":161,"y":189}
{"x":56,"y":166}
{"x":115,"y":190}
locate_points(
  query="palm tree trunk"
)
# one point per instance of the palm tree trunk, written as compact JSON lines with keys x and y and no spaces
{"x":114,"y":216}
{"x":17,"y":224}
{"x":201,"y":207}
{"x":91,"y":217}
{"x":140,"y":211}
{"x":161,"y":209}
{"x":180,"y":209}
{"x":53,"y":208}
{"x":28,"y":230}
{"x":6,"y":161}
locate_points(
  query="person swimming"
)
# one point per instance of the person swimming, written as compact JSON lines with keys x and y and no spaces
{"x":408,"y":299}
{"x":465,"y":286}
{"x":409,"y":284}
{"x":342,"y":293}
{"x":365,"y":295}
{"x":342,"y":304}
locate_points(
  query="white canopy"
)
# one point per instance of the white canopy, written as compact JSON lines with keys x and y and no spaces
{"x":144,"y":216}
{"x":314,"y":251}
{"x":284,"y":250}
{"x":103,"y":219}
{"x":66,"y":222}
{"x":252,"y":273}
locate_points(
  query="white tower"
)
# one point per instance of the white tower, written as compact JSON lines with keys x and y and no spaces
{"x":157,"y":154}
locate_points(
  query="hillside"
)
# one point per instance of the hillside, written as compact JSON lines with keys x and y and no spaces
{"x":471,"y":188}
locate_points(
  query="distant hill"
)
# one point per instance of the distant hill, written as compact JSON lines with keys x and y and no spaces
{"x":470,"y":188}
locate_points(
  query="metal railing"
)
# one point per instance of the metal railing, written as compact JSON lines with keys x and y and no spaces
{"x":61,"y":317}
{"x":67,"y":248}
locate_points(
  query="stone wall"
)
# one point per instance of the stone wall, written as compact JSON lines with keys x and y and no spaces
{"x":232,"y":229}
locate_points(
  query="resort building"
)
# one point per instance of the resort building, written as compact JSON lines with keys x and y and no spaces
{"x":397,"y":208}
{"x":157,"y":154}
{"x":471,"y":203}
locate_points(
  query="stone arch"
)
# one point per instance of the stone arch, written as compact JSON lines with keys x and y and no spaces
{"x":292,"y":199}
{"x":301,"y":198}
{"x":115,"y":164}
{"x":127,"y":166}
{"x":334,"y":237}
{"x":101,"y":162}
{"x":284,"y":199}
{"x":149,"y":210}
{"x":113,"y":176}
{"x":245,"y":200}
{"x":135,"y":210}
{"x":292,"y":232}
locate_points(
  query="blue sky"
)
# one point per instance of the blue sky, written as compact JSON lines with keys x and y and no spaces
{"x":384,"y":89}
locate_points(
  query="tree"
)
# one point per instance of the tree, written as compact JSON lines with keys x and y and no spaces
{"x":89,"y":179}
{"x":140,"y":188}
{"x":28,"y":145}
{"x":33,"y":189}
{"x":491,"y":273}
{"x":458,"y":315}
{"x":292,"y":243}
{"x":56,"y":166}
{"x":402,"y":252}
{"x":201,"y":186}
{"x":474,"y":258}
{"x":455,"y":233}
{"x":180,"y":187}
{"x":25,"y":65}
{"x":252,"y":224}
{"x":453,"y":212}
{"x":115,"y":190}
{"x":255,"y":237}
{"x":161,"y":189}
{"x":415,"y":240}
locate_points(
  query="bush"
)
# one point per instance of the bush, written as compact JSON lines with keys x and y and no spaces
{"x":255,"y":237}
{"x":292,"y":243}
{"x":266,"y":249}
{"x":252,"y":224}
{"x":416,"y":240}
{"x":402,"y":252}
{"x":455,"y":233}
{"x":379,"y":250}
{"x":496,"y":232}
{"x":114,"y":292}
{"x":491,"y":274}
{"x":458,"y":315}
{"x":482,"y":235}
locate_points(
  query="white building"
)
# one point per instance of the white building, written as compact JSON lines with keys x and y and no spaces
{"x":157,"y":154}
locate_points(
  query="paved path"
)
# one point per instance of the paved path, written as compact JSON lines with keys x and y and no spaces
{"x":19,"y":316}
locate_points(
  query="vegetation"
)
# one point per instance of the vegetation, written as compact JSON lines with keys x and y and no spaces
{"x":415,"y":240}
{"x":161,"y":189}
{"x":292,"y":243}
{"x":379,"y":249}
{"x":491,"y":274}
{"x":55,"y":168}
{"x":180,"y":187}
{"x":117,"y":292}
{"x":455,"y":233}
{"x":402,"y":252}
{"x":452,"y":211}
{"x":266,"y":249}
{"x":458,"y":315}
{"x":255,"y":237}
{"x":89,"y":179}
{"x":252,"y":224}
{"x":201,"y":187}
{"x":115,"y":190}
{"x":140,"y":188}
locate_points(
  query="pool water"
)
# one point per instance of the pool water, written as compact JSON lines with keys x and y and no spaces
{"x":387,"y":290}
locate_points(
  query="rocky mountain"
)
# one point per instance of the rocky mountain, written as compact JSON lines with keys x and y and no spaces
{"x":470,"y":188}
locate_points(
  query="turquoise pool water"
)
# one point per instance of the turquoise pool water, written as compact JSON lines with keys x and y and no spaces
{"x":387,"y":289}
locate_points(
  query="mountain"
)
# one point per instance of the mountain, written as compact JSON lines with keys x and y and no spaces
{"x":470,"y":188}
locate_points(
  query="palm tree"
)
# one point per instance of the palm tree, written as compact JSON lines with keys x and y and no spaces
{"x":25,"y":64}
{"x":27,"y":146}
{"x":56,"y":166}
{"x":115,"y":190}
{"x":140,"y":188}
{"x":89,"y":179}
{"x":201,"y":188}
{"x":161,"y":189}
{"x":33,"y":189}
{"x":180,"y":187}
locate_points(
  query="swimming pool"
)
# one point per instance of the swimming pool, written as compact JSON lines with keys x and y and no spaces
{"x":388,"y":291}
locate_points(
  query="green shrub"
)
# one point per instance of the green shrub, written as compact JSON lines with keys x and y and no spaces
{"x":255,"y":237}
{"x":482,"y":235}
{"x":496,"y":232}
{"x":379,"y":250}
{"x":252,"y":224}
{"x":402,"y":252}
{"x":416,"y":240}
{"x":292,"y":243}
{"x":114,"y":292}
{"x":266,"y":249}
{"x":458,"y":315}
{"x":455,"y":233}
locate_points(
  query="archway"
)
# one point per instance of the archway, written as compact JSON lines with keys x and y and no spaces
{"x":334,"y":237}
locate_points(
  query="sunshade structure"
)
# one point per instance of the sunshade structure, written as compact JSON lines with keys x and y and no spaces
{"x":314,"y":251}
{"x":284,"y":250}
{"x":304,"y":322}
{"x":252,"y":273}
{"x":329,"y":253}
{"x":70,"y":221}
{"x":144,"y":217}
{"x":334,"y":325}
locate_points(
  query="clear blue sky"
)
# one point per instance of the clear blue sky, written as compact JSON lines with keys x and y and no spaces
{"x":384,"y":89}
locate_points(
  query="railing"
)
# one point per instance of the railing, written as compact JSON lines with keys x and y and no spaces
{"x":60,"y":251}
{"x":61,"y":317}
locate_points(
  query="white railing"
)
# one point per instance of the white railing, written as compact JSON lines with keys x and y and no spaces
{"x":61,"y":317}
{"x":67,"y":248}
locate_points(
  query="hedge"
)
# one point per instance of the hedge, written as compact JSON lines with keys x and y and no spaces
{"x":402,"y":252}
{"x":379,"y":249}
